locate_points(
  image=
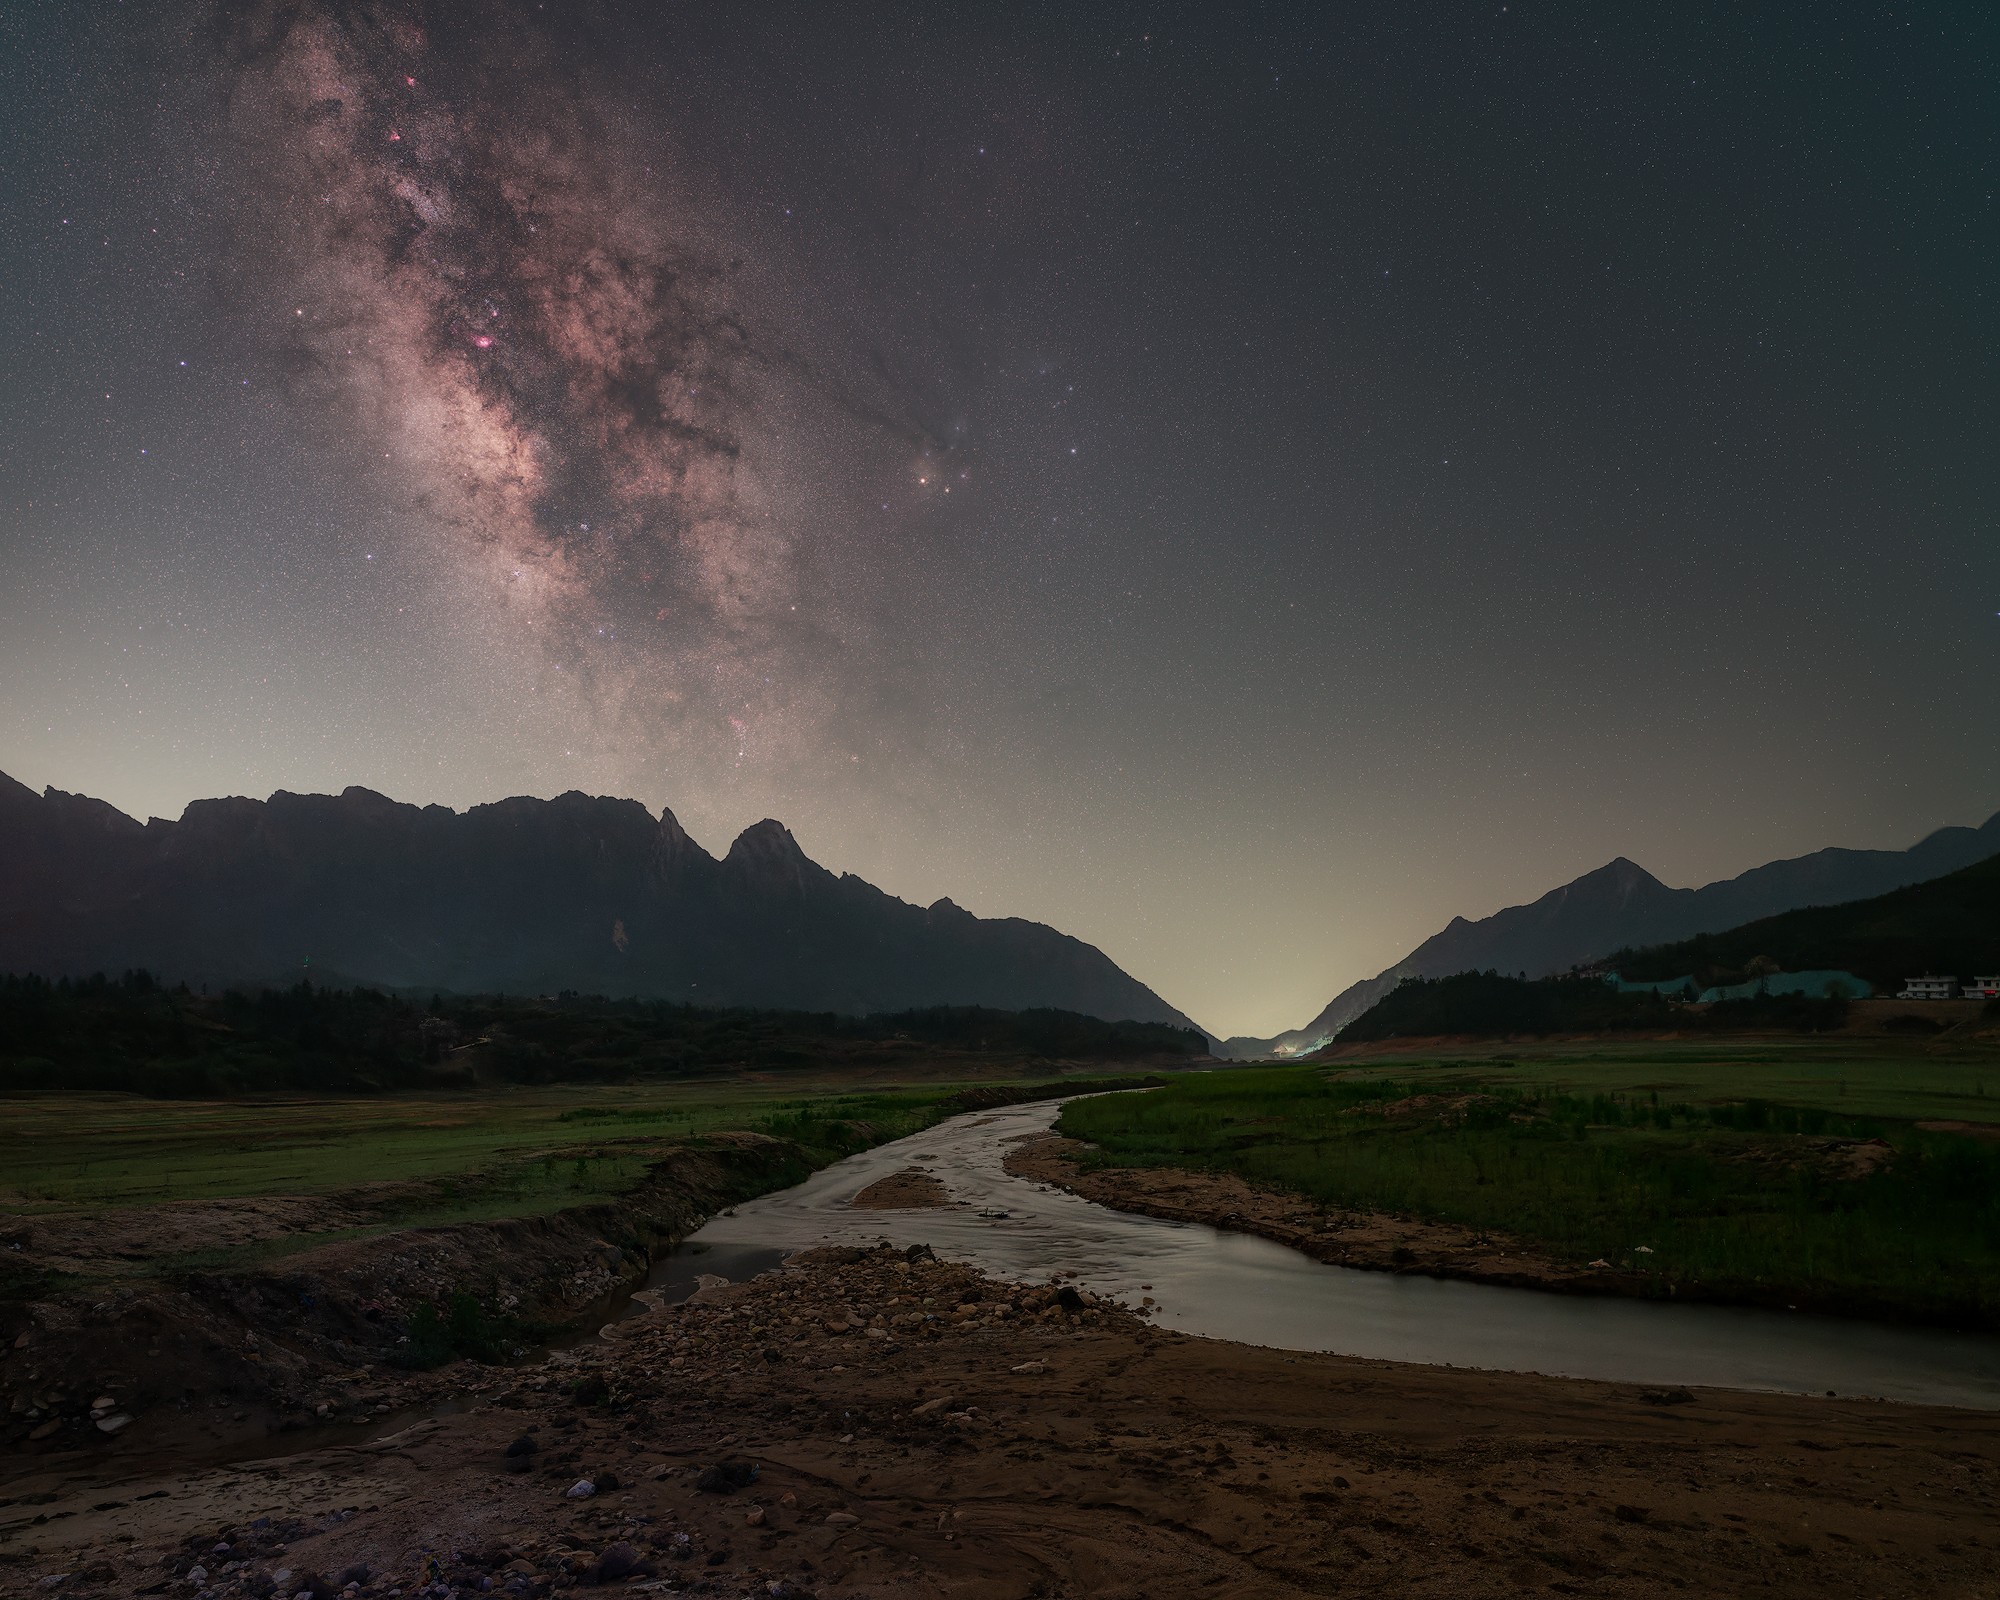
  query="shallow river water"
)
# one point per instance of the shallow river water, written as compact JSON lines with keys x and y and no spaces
{"x":1234,"y":1286}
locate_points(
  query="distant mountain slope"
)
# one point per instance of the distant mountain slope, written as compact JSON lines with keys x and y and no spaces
{"x":521,"y":896}
{"x":1622,"y":905}
{"x":1946,"y":925}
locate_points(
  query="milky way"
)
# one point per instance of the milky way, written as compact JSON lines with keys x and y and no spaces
{"x":501,"y":285}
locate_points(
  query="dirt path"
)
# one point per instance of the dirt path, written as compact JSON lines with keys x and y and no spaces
{"x":917,"y":1430}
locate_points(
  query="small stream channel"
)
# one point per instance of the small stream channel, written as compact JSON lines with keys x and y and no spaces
{"x":1223,"y":1285}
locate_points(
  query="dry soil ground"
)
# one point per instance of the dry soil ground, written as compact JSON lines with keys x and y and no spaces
{"x":917,"y":1430}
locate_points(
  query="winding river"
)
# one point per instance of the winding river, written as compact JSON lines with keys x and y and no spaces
{"x":1224,"y":1285}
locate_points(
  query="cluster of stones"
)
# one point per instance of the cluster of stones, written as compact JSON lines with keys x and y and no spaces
{"x":657,"y":1383}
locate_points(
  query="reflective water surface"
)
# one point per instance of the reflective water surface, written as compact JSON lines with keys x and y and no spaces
{"x":1233,"y":1286}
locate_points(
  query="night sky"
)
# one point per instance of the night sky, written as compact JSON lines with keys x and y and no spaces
{"x":1241,"y":484}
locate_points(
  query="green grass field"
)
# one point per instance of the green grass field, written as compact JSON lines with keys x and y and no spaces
{"x":113,"y":1149}
{"x":1729,"y":1165}
{"x":1855,"y":1077}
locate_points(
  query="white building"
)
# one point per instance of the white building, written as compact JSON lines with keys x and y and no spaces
{"x":1929,"y":988}
{"x":1983,"y":988}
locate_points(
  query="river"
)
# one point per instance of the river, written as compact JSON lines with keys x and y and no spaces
{"x":1222,"y":1285}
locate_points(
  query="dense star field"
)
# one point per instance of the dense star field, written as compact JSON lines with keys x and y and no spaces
{"x":1241,"y":486}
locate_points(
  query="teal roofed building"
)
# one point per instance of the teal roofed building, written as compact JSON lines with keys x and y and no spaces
{"x":1820,"y":985}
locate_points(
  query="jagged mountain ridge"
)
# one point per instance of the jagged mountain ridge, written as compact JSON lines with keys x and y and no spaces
{"x":1621,"y":905}
{"x":520,"y":896}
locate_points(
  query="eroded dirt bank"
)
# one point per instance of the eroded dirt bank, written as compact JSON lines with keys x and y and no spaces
{"x":172,"y":1362}
{"x":1365,"y":1239}
{"x":199,"y":1359}
{"x":864,"y":1424}
{"x":1381,"y":1242}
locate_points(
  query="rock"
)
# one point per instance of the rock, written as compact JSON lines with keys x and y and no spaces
{"x":915,"y":1253}
{"x":1631,"y":1513}
{"x":1031,"y":1369}
{"x":841,"y":1519}
{"x":785,"y":1589}
{"x":582,"y":1489}
{"x":523,"y":1446}
{"x":755,"y":1516}
{"x":931,"y":1407}
{"x":117,"y":1422}
{"x":606,"y":1482}
{"x":46,"y":1430}
{"x":197,"y":1574}
{"x":617,"y":1563}
{"x":356,"y":1573}
{"x":104,"y":1402}
{"x":1069,"y":1299}
{"x":726,"y":1477}
{"x":1666,"y":1397}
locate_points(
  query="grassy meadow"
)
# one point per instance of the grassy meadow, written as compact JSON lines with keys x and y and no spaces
{"x":120,"y":1150}
{"x":1733,"y":1168}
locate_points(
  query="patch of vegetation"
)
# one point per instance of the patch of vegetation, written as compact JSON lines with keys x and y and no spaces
{"x":134,"y":1035}
{"x":1949,"y":924}
{"x":1737,"y":1199}
{"x":1488,"y":1005}
{"x":460,"y":1329}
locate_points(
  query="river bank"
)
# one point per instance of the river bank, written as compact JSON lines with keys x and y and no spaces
{"x":861,"y":1423}
{"x":204,"y":1326}
{"x":1486,"y":1175}
{"x":1371,"y":1241}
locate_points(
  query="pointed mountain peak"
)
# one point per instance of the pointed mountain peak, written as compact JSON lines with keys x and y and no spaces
{"x":1617,"y":879}
{"x":768,"y":840}
{"x":1621,"y":870}
{"x":674,"y":838}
